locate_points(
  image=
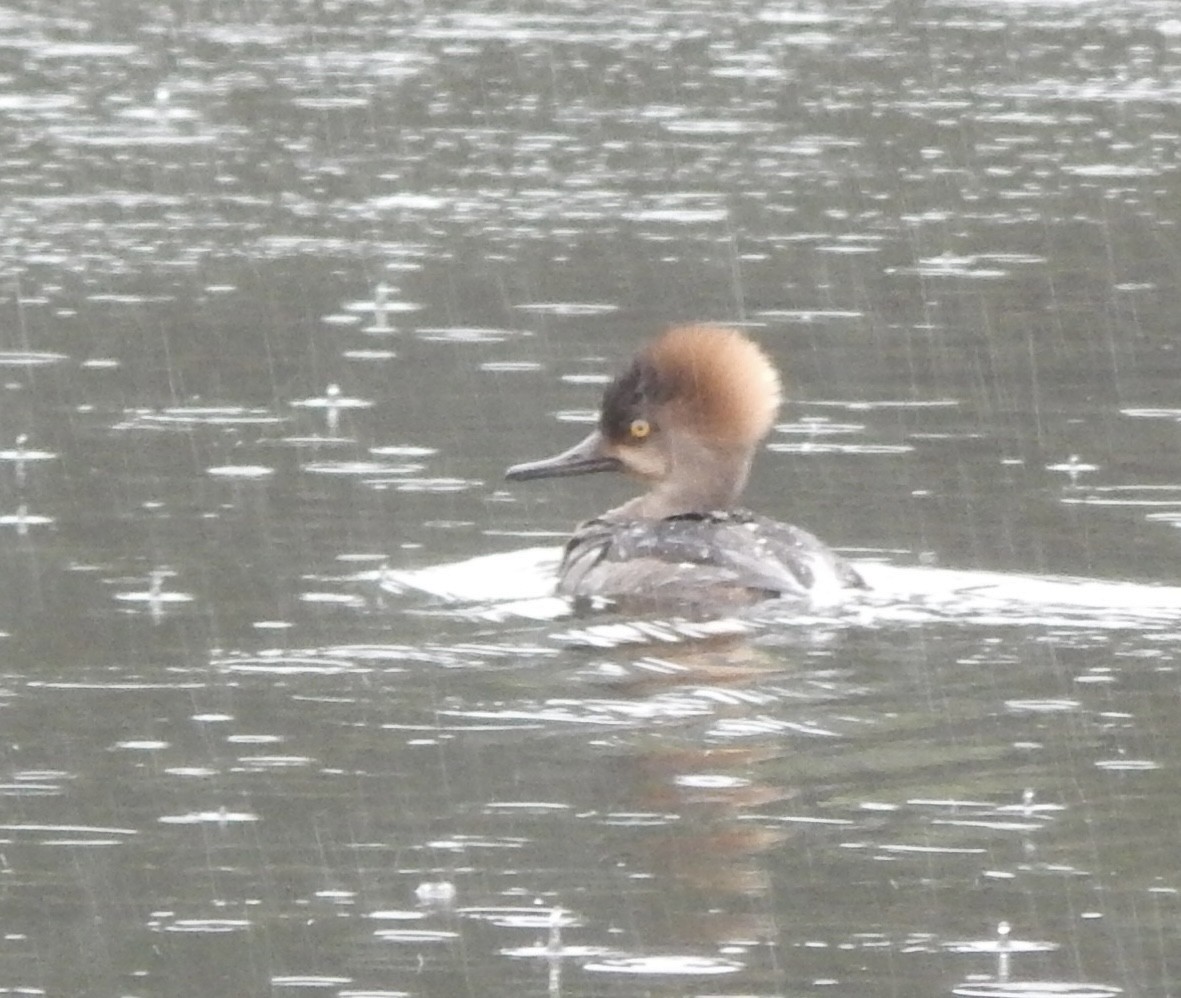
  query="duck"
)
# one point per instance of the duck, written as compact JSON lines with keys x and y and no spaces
{"x":685,"y":418}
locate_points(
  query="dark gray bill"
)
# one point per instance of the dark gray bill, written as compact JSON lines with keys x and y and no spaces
{"x":583,"y":458}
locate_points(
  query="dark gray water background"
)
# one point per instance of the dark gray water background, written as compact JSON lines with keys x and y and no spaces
{"x":231,"y":764}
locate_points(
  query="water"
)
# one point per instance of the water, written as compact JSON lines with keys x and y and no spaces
{"x":284,"y":289}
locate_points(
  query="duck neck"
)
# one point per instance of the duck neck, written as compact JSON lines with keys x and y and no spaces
{"x":702,"y":480}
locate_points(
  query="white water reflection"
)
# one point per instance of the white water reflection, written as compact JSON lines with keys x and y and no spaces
{"x":523,"y":581}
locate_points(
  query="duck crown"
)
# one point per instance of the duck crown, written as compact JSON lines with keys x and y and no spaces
{"x":712,"y":380}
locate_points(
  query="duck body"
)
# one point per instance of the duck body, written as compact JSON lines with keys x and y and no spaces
{"x":728,"y":556}
{"x":685,"y":418}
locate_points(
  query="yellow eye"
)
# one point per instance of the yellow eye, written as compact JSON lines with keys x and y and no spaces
{"x":639,"y":429}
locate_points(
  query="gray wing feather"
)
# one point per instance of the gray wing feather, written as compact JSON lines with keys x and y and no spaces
{"x":735,"y":550}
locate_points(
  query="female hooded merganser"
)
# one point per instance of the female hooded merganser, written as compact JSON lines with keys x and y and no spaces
{"x":686,"y":417}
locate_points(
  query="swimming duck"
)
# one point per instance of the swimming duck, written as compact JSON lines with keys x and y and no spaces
{"x":685,"y":418}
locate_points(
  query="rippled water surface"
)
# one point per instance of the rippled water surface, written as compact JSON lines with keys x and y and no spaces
{"x":287,"y":706}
